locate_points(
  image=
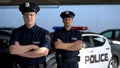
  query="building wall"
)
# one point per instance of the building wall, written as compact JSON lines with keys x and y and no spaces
{"x":96,"y":17}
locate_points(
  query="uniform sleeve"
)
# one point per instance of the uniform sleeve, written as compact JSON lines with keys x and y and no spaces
{"x":46,"y":40}
{"x":80,"y":36}
{"x":55,"y":36}
{"x":14,"y":37}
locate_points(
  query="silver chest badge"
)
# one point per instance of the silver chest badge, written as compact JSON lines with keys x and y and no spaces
{"x":73,"y":38}
{"x":36,"y":42}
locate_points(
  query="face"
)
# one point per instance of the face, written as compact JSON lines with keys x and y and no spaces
{"x":29,"y":18}
{"x":67,"y":21}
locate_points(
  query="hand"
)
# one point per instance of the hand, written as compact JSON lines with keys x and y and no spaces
{"x":17,"y":43}
{"x":79,"y":43}
{"x":58,"y":44}
{"x":43,"y":49}
{"x":35,"y":47}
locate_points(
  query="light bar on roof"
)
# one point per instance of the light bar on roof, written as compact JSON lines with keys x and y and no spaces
{"x":83,"y":28}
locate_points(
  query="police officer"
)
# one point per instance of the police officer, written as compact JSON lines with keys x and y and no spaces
{"x":29,"y":44}
{"x":67,"y":42}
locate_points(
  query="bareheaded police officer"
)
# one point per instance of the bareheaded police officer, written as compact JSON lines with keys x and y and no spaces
{"x":67,"y":42}
{"x":29,"y":43}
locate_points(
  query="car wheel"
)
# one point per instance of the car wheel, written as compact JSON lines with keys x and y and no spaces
{"x":113,"y":63}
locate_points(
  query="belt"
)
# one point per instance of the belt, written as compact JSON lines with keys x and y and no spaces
{"x":69,"y":60}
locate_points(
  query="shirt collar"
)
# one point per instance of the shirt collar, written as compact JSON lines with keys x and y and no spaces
{"x":33,"y":29}
{"x":71,"y":30}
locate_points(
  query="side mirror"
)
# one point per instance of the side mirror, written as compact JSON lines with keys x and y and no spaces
{"x":110,"y":41}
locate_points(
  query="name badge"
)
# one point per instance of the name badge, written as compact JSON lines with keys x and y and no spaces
{"x":73,"y":38}
{"x":36,"y":42}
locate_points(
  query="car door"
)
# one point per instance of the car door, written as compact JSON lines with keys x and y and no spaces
{"x":96,"y":52}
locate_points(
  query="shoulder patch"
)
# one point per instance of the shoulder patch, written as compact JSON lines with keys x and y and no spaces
{"x":47,"y":38}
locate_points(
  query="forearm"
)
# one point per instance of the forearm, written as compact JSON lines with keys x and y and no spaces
{"x":66,"y":45}
{"x":63,"y":45}
{"x":20,"y":49}
{"x":35,"y":53}
{"x":74,"y":46}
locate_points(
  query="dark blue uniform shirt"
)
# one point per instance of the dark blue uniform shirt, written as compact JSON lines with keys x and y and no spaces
{"x":67,"y":37}
{"x":25,"y":36}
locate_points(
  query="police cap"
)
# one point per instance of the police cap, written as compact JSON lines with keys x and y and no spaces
{"x":29,"y":7}
{"x":67,"y":14}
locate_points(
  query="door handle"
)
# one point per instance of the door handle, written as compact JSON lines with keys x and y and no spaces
{"x":107,"y":48}
{"x":91,"y":51}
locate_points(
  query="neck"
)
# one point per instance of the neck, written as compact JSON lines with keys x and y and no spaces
{"x":30,"y":26}
{"x":68,"y":28}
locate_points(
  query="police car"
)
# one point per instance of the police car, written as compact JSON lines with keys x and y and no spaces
{"x":96,"y":52}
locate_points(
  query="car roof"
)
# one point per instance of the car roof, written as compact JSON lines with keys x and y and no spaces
{"x":114,"y":29}
{"x":111,"y":30}
{"x":6,"y":28}
{"x":89,"y":33}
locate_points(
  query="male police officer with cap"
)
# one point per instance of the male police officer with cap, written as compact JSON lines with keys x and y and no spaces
{"x":67,"y":42}
{"x":29,"y":43}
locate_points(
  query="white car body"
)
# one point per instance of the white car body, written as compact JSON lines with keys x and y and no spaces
{"x":95,"y":57}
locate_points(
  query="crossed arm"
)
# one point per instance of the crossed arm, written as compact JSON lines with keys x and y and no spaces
{"x":74,"y":46}
{"x":30,"y":51}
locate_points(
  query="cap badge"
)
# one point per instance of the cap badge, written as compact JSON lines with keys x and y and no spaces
{"x":67,"y":12}
{"x":27,"y":4}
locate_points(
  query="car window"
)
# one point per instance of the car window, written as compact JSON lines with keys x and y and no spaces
{"x":98,"y":41}
{"x":117,"y":35}
{"x":108,"y":34}
{"x":86,"y":41}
